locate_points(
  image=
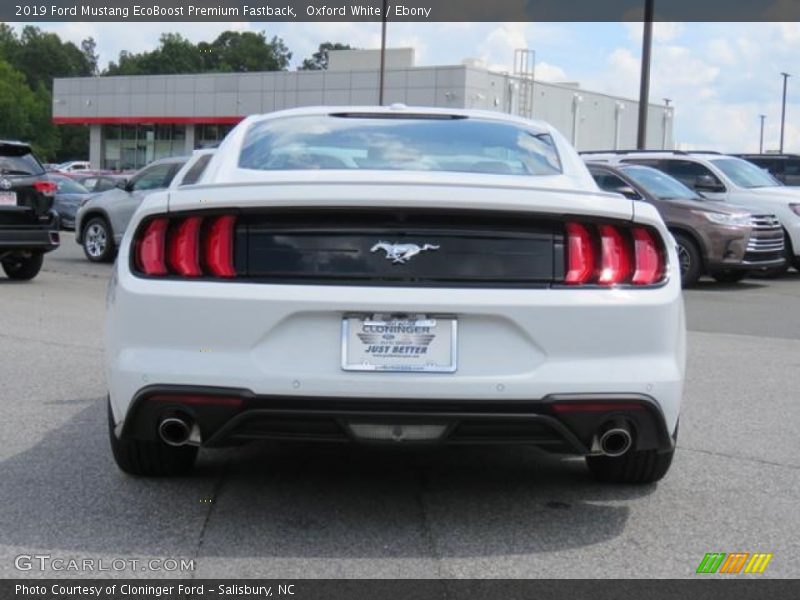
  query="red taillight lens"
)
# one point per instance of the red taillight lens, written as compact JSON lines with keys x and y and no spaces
{"x":615,"y":256}
{"x":632,"y":256}
{"x":580,"y":254}
{"x":649,"y":258}
{"x":150,"y":248}
{"x":184,"y":248}
{"x":48,"y":188}
{"x":219,"y":247}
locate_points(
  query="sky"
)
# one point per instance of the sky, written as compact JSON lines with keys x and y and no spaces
{"x":719,"y":76}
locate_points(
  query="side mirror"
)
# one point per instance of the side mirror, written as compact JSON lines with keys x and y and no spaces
{"x":707,"y":183}
{"x":628,"y":192}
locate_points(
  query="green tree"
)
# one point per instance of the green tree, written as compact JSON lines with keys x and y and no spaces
{"x":319,"y":60}
{"x":175,"y":54}
{"x":25,"y":113}
{"x":245,"y":51}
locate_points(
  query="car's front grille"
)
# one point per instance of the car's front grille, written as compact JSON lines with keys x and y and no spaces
{"x":764,"y":222}
{"x":766,"y":237}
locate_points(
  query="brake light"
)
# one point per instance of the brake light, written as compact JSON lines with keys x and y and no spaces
{"x":219,"y":248}
{"x":48,"y":188}
{"x":580,"y":254}
{"x":184,"y":251}
{"x":627,"y":256}
{"x":150,"y":248}
{"x":616,"y":256}
{"x":649,"y":258}
{"x":191,"y":246}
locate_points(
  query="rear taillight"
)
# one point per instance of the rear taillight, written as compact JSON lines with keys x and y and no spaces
{"x":192,"y":246}
{"x":48,"y":188}
{"x":608,"y":255}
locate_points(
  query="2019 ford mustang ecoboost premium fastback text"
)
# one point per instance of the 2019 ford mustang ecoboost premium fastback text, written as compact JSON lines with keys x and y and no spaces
{"x":402,"y":276}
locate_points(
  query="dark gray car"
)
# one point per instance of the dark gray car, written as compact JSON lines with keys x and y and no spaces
{"x":68,"y":198}
{"x":101,"y":222}
{"x":713,"y":238}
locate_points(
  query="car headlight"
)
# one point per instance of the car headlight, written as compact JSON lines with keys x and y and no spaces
{"x":739,"y":220}
{"x":795,"y":208}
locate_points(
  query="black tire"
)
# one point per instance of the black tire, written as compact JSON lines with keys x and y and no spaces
{"x":637,"y":466}
{"x":689,"y":259}
{"x":796,"y":262}
{"x":24,"y":268}
{"x":98,"y":240}
{"x":729,"y":276}
{"x":149,"y":459}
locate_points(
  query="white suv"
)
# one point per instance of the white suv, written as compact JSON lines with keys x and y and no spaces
{"x":396,"y":276}
{"x":725,"y":178}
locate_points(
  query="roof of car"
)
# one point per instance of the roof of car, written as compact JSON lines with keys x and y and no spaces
{"x":14,"y":143}
{"x":674,"y":154}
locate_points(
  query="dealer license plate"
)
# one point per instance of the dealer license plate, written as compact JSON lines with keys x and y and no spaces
{"x":8,"y":198}
{"x":415,"y":343}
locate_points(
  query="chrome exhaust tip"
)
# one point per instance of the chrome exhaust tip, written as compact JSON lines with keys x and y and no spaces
{"x":174,"y":431}
{"x":616,"y":441}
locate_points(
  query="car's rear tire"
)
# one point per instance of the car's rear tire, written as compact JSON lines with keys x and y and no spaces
{"x":636,"y":466}
{"x":689,"y":260}
{"x":729,"y":276}
{"x":149,"y":458}
{"x":98,"y":241}
{"x":23,"y":268}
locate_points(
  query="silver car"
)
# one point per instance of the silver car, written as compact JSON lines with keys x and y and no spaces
{"x":101,"y":222}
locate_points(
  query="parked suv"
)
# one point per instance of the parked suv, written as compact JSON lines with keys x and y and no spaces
{"x":28,"y":223}
{"x":713,"y":238}
{"x":725,"y":178}
{"x":100,"y":223}
{"x":783,"y":167}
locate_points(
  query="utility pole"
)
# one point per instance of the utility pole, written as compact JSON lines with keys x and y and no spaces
{"x":644,"y":83}
{"x":761,"y":137}
{"x":783,"y":107}
{"x":384,"y":16}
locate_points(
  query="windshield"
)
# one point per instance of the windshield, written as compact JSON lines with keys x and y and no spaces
{"x":744,"y":174}
{"x":659,"y":184}
{"x":67,"y":185}
{"x":405,"y":143}
{"x":18,"y":160}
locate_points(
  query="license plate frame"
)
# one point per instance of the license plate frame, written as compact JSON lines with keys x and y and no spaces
{"x":421,"y":332}
{"x":8,"y":198}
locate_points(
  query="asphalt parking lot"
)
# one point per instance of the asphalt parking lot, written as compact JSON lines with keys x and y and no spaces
{"x":309,"y":511}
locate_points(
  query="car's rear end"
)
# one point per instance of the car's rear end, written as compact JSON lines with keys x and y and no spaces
{"x":396,"y":307}
{"x":28,"y":225}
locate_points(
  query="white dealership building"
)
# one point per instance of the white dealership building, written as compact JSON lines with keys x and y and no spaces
{"x":136,"y":119}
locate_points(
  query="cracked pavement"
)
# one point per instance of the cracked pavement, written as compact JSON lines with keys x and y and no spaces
{"x":297,"y":511}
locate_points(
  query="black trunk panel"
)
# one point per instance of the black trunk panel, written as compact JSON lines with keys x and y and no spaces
{"x":468,"y":248}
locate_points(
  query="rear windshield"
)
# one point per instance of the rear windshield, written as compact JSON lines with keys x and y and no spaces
{"x":406,"y":143}
{"x":18,"y":160}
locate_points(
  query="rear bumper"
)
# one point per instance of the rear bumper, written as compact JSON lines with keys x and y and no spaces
{"x":559,"y":423}
{"x":42,"y":238}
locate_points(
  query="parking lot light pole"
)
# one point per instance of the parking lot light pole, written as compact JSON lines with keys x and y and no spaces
{"x":644,"y":83}
{"x":384,"y":17}
{"x":761,"y":137}
{"x":783,"y":108}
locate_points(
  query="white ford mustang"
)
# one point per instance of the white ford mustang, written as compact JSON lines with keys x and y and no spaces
{"x":398,"y":276}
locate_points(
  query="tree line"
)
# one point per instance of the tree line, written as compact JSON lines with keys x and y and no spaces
{"x":30,"y":59}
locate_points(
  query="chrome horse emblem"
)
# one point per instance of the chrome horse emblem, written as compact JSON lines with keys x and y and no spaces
{"x":401,"y":253}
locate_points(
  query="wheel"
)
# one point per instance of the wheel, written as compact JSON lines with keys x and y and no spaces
{"x":149,"y":459}
{"x":98,"y":243}
{"x":796,"y":262}
{"x":23,"y":268}
{"x":729,"y":276}
{"x":688,"y":259}
{"x":636,"y":466}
